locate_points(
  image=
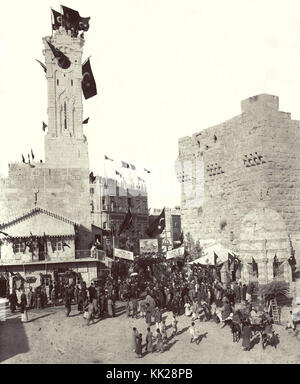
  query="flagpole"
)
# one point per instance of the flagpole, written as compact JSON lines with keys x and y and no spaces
{"x":51,"y":23}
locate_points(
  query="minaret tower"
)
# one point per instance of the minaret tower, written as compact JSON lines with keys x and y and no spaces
{"x":65,"y":144}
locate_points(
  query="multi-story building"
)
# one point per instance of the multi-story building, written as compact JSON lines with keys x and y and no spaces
{"x":110,"y":200}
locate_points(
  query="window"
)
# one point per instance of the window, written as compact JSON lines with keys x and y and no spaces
{"x":19,"y":247}
{"x":57,"y":245}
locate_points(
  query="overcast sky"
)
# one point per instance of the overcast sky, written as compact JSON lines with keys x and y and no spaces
{"x":164,"y":69}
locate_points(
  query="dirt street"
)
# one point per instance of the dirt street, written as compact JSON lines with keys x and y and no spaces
{"x":50,"y":337}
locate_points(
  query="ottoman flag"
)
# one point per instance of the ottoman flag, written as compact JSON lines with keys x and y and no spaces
{"x":88,"y":82}
{"x":157,"y":226}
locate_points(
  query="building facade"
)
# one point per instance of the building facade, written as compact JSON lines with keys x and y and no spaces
{"x":110,"y":201}
{"x":241,"y":185}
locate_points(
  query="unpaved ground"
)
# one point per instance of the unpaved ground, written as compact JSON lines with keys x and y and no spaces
{"x":50,"y":337}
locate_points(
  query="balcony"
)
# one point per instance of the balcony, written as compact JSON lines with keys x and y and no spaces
{"x":55,"y":257}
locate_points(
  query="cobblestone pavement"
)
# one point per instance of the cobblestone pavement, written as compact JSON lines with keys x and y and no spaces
{"x":50,"y":337}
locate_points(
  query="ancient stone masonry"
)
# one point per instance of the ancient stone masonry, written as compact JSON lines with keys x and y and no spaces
{"x":245,"y":175}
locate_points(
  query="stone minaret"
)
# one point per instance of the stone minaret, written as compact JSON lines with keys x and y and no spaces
{"x":65,"y":144}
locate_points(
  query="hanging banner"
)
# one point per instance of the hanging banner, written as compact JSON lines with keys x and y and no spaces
{"x":122,"y":254}
{"x":177,"y":252}
{"x":148,"y":246}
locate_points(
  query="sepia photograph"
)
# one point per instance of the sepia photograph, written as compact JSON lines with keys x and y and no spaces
{"x":150,"y":184}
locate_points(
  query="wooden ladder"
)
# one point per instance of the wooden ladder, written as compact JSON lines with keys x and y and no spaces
{"x":275,"y":311}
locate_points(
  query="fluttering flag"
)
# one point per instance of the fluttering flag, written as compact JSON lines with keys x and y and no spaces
{"x":71,"y":20}
{"x":92,"y":177}
{"x":4,"y":233}
{"x":84,"y":23}
{"x":62,"y":60}
{"x":292,"y":260}
{"x":157,"y":226}
{"x":23,"y":159}
{"x":124,"y":164}
{"x":140,"y":179}
{"x":127,"y":223}
{"x":28,"y":158}
{"x":132,"y":167}
{"x":64,"y":244}
{"x":88,"y":83}
{"x":42,"y":65}
{"x":32,"y":155}
{"x":107,"y":158}
{"x":44,"y":127}
{"x":181,"y":238}
{"x":146,"y":170}
{"x":230,"y":259}
{"x":57,"y":18}
{"x":118,"y":174}
{"x":86,"y":121}
{"x":215,"y":258}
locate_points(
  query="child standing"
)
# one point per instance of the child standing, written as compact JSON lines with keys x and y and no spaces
{"x":164,"y":331}
{"x":139,"y":345}
{"x":193,"y":334}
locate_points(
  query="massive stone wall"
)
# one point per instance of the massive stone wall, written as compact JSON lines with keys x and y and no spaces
{"x":247,"y":163}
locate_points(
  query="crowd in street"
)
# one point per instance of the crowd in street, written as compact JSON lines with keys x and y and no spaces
{"x":195,"y":292}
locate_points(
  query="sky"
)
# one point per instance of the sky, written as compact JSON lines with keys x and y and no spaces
{"x":164,"y":69}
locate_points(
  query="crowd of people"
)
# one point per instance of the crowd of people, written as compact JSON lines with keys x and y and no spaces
{"x":194,"y":291}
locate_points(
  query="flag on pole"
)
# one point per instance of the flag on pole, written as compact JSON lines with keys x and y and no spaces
{"x":157,"y":226}
{"x":181,"y":238}
{"x":71,"y":20}
{"x":118,"y":174}
{"x":215,"y":258}
{"x":4,"y":233}
{"x":32,"y":155}
{"x":132,"y":167}
{"x":64,"y":244}
{"x":57,"y":18}
{"x":88,"y":83}
{"x":92,"y":177}
{"x":146,"y":170}
{"x":23,"y":159}
{"x":127,"y":222}
{"x":42,"y":65}
{"x":107,"y":158}
{"x":230,"y":259}
{"x":124,"y":164}
{"x":28,"y":158}
{"x":140,"y":179}
{"x":63,"y":60}
{"x":44,"y":127}
{"x":84,"y":23}
{"x":86,"y":121}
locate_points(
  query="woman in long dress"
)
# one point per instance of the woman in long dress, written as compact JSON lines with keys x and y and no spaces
{"x":23,"y":306}
{"x":246,"y":335}
{"x":149,"y":337}
{"x":135,"y":334}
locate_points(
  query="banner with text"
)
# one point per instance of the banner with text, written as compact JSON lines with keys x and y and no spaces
{"x":178,"y":252}
{"x":122,"y":254}
{"x":148,"y":246}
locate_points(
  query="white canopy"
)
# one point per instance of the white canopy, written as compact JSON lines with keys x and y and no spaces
{"x":208,"y":257}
